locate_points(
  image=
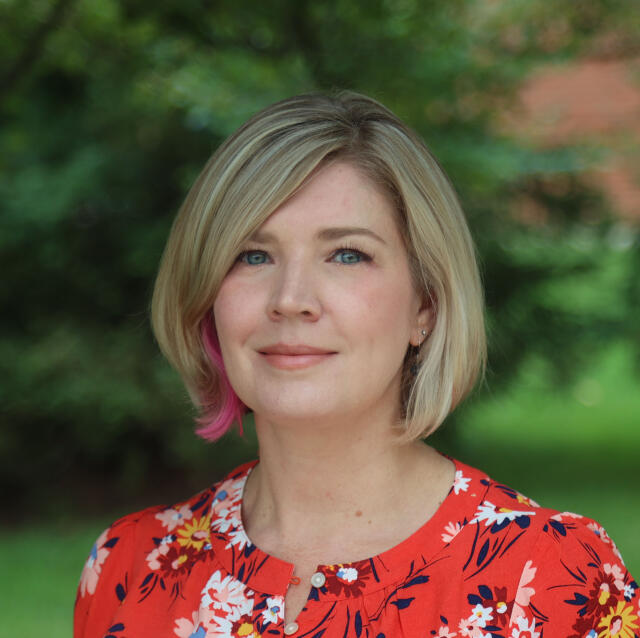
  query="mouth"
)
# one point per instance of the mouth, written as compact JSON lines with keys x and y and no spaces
{"x":295,"y":361}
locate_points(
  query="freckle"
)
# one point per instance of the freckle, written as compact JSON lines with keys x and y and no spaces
{"x":358,"y":513}
{"x":369,"y":521}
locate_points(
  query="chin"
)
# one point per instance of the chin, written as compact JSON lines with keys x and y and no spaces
{"x":297,"y":414}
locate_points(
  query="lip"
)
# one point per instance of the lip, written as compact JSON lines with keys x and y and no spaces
{"x":294,"y":356}
{"x":293,"y":349}
{"x":294,"y":361}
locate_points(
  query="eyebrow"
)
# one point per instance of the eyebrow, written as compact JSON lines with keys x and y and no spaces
{"x":325,"y":234}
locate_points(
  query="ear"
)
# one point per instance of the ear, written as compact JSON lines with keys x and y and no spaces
{"x":426,"y":317}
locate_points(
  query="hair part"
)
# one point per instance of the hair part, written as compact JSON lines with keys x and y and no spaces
{"x":251,"y":175}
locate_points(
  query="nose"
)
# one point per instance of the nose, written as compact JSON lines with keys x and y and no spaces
{"x":293,"y":292}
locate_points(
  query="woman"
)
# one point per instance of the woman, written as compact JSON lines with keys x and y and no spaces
{"x":321,"y":274}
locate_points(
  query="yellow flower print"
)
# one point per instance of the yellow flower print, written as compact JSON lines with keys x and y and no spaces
{"x":525,"y":500}
{"x":245,"y":630}
{"x":195,"y":533}
{"x":604,"y":594}
{"x":619,"y":623}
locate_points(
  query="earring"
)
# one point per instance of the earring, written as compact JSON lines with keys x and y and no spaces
{"x":414,"y":366}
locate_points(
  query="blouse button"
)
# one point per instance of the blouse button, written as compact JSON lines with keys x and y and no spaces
{"x":318,"y":579}
{"x":291,"y":628}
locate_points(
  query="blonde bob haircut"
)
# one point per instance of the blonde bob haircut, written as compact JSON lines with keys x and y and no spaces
{"x":254,"y":172}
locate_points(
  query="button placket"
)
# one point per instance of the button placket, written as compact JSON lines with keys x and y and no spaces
{"x":317,"y":580}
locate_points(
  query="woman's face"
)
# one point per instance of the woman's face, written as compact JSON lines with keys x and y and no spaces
{"x":328,"y":270}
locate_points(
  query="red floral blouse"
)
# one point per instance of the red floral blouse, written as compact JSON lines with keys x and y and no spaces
{"x":490,"y":563}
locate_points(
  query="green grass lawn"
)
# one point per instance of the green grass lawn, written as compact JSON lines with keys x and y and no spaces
{"x":40,"y":571}
{"x":577,"y":450}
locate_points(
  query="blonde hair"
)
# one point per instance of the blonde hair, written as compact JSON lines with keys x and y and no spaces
{"x":253,"y":173}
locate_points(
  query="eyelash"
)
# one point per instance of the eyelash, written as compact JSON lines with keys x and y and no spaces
{"x":346,"y":248}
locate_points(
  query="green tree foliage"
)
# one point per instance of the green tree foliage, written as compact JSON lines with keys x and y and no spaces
{"x":109,"y":110}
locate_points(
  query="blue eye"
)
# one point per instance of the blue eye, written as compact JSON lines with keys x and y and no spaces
{"x":249,"y":254}
{"x":353,"y":256}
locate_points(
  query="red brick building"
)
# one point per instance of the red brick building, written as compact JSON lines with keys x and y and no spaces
{"x":595,"y":102}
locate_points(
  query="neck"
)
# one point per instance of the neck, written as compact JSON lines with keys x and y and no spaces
{"x":311,"y":482}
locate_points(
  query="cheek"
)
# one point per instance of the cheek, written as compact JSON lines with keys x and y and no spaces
{"x":381,"y":319}
{"x":233,"y":310}
{"x":387,"y":307}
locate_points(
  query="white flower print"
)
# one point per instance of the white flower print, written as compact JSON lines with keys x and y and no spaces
{"x":451,"y":530}
{"x":482,"y":615}
{"x":222,"y":626}
{"x":525,"y":629}
{"x":161,"y":550}
{"x":444,"y":632}
{"x":616,"y":551}
{"x":488,"y":513}
{"x":598,"y":530}
{"x":238,"y":538}
{"x":93,"y":566}
{"x":629,"y":593}
{"x":469,"y":627}
{"x":153,"y":557}
{"x":560,"y":515}
{"x":227,"y":497}
{"x":617,"y":574}
{"x":466,"y":627}
{"x":194,"y":628}
{"x":460,"y":482}
{"x":225,"y":508}
{"x":348,"y":574}
{"x":274,"y":610}
{"x":226,"y":594}
{"x":224,"y":523}
{"x":171,"y":518}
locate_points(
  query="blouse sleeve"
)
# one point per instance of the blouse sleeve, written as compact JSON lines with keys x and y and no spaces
{"x":575,"y":584}
{"x":104,"y":581}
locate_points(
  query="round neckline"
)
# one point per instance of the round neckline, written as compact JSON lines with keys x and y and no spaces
{"x":272,"y":575}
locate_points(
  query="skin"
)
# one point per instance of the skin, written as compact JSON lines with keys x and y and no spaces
{"x":331,"y":485}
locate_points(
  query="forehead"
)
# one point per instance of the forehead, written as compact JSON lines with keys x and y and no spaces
{"x":337,"y":199}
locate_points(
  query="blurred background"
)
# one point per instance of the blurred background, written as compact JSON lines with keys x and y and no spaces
{"x":109,"y":109}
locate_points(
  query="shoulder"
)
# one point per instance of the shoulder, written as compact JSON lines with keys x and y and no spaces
{"x":160,"y":523}
{"x":569,"y":577}
{"x":552,"y":528}
{"x":146,"y":540}
{"x":567,"y":532}
{"x":105,"y":575}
